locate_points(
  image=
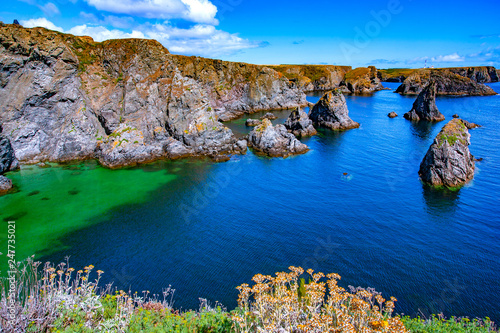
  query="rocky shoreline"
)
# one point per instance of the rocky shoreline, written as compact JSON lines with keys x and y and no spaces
{"x":129,"y":101}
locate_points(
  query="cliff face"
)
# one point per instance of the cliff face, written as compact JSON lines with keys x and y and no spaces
{"x":314,"y":77}
{"x":483,"y":74}
{"x":447,"y":83}
{"x":448,"y":161}
{"x":124,"y":101}
{"x":361,"y":81}
{"x":237,"y":88}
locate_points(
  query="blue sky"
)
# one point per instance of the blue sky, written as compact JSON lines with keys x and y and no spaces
{"x":387,"y":34}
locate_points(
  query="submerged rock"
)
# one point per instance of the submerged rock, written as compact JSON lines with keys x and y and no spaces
{"x":299,"y":124}
{"x":392,"y":115}
{"x":275,"y":141}
{"x":269,"y":116}
{"x":5,"y":184}
{"x":448,"y":161}
{"x":425,"y":107}
{"x":331,"y":112}
{"x":253,"y":122}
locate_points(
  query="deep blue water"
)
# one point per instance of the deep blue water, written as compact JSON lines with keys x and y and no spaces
{"x":219,"y":224}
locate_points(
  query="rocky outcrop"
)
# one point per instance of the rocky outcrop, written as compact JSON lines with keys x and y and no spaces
{"x":424,"y":108}
{"x":361,"y":81}
{"x":124,"y":101}
{"x":447,"y":83}
{"x":299,"y":124}
{"x":252,"y":122}
{"x":331,"y":112}
{"x":314,"y":77}
{"x":8,"y":159}
{"x":5,"y":184}
{"x":392,"y":114}
{"x":448,"y":161}
{"x":269,"y":115}
{"x":274,"y":141}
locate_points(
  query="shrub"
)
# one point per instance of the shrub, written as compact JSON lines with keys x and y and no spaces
{"x":437,"y":324}
{"x":284,"y":304}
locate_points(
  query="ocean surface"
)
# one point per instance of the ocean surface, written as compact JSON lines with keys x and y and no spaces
{"x":353,"y":205}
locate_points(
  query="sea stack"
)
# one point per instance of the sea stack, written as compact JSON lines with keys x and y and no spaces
{"x":331,"y":112}
{"x":274,"y":141}
{"x":299,"y":124}
{"x":448,"y":161}
{"x":425,"y":107}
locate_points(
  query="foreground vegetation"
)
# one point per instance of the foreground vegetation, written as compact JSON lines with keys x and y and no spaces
{"x":61,"y":299}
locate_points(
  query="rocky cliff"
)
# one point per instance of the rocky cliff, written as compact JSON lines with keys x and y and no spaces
{"x":483,"y":74}
{"x":361,"y":81}
{"x":314,"y":77}
{"x":448,"y":161}
{"x":447,"y":83}
{"x":124,"y":101}
{"x":237,"y":88}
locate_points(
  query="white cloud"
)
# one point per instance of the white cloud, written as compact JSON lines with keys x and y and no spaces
{"x":204,"y":40}
{"x":448,"y":58}
{"x":99,"y":33}
{"x":199,"y":11}
{"x":40,"y":22}
{"x":201,"y":39}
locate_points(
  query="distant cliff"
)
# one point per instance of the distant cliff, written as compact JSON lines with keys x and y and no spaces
{"x":480,"y":74}
{"x":124,"y":101}
{"x":447,"y":83}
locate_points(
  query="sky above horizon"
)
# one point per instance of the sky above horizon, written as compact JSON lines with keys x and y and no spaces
{"x":386,"y":34}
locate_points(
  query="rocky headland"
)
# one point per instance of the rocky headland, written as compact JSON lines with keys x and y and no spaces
{"x":299,"y":124}
{"x":448,"y":161}
{"x":447,"y":83}
{"x":424,"y":107}
{"x":331,"y":112}
{"x":125,"y":101}
{"x":274,"y":141}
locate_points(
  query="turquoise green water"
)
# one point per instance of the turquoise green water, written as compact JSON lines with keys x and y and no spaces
{"x":51,"y":202}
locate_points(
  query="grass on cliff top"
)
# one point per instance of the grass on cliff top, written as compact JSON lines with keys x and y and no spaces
{"x":452,"y":132}
{"x":357,"y":73}
{"x":397,"y":72}
{"x":313,"y":72}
